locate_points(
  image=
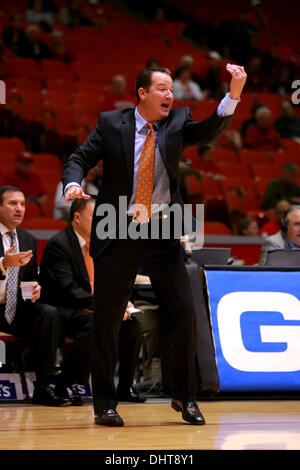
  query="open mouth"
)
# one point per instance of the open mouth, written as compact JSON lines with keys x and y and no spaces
{"x":165,"y":105}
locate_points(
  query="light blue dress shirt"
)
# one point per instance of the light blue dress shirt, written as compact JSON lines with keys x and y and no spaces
{"x":161,"y":190}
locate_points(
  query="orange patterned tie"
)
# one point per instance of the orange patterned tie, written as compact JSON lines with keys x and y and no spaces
{"x":89,"y":265}
{"x":144,"y":191}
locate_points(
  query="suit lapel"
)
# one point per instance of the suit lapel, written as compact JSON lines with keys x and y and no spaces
{"x":161,"y":137}
{"x":128,"y":139}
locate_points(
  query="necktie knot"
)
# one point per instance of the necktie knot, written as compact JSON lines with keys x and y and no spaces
{"x":150,"y":125}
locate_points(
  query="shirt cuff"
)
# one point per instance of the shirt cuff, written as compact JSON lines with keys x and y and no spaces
{"x":227,"y":106}
{"x":71,"y":184}
{"x":2,"y":268}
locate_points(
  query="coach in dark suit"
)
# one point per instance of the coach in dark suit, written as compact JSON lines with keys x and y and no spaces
{"x":65,"y":281}
{"x":119,"y":139}
{"x":38,"y":324}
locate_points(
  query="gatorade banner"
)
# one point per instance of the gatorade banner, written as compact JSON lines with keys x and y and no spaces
{"x":255,"y":317}
{"x":10,"y":387}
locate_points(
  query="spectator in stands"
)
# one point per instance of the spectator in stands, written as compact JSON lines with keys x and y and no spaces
{"x":287,"y":238}
{"x":286,"y":187}
{"x":288,"y":125}
{"x":251,"y":121}
{"x":27,"y":180}
{"x":262,"y":135}
{"x":61,"y":208}
{"x":67,"y":271}
{"x":249,"y":227}
{"x":153,"y":62}
{"x":59,"y":46}
{"x":187,"y":61}
{"x":162,"y":29}
{"x":36,"y":323}
{"x":118,"y":97}
{"x":274,"y":225}
{"x":184,"y":171}
{"x":33,"y":47}
{"x":72,"y":15}
{"x":185,"y":88}
{"x":230,"y":139}
{"x":37,"y":14}
{"x":212,"y":84}
{"x":237,"y":35}
{"x":205,"y":164}
{"x":282,"y":77}
{"x":13,"y":36}
{"x":259,"y":81}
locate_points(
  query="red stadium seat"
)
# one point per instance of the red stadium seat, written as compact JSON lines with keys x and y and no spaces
{"x":46,"y":223}
{"x":224,"y":155}
{"x":266,"y":171}
{"x":252,"y":157}
{"x":216,"y":228}
{"x":11,"y":145}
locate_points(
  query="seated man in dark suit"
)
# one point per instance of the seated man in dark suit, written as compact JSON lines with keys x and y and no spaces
{"x":287,"y":238}
{"x":36,"y":323}
{"x":67,"y":282}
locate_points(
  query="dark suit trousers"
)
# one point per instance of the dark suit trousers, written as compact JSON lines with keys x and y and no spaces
{"x":39,"y":326}
{"x":115,"y":272}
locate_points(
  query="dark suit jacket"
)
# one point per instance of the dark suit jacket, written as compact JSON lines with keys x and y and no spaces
{"x":63,"y":275}
{"x":29,"y":272}
{"x":113,"y":141}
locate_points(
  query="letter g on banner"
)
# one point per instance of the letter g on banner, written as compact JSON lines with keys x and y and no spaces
{"x":229,"y":311}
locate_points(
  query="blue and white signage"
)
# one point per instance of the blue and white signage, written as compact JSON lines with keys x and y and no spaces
{"x":256,"y":329}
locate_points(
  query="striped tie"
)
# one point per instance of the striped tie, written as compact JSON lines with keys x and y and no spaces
{"x":145,"y":180}
{"x":12,"y":286}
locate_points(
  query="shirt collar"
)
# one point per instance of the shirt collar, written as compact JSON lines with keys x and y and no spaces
{"x":81,"y":240}
{"x":140,"y":122}
{"x":294,"y":247}
{"x":4,"y":229}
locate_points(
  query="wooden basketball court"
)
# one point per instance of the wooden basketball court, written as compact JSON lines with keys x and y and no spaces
{"x":231,"y":425}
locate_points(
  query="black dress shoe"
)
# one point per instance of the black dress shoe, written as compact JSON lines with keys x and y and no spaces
{"x":131,"y":396}
{"x":190,"y":411}
{"x":69,"y":394}
{"x":108,"y":418}
{"x":47,"y":397}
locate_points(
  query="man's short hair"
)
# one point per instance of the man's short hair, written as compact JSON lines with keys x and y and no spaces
{"x":144,"y":78}
{"x":79,"y":204}
{"x":7,"y":187}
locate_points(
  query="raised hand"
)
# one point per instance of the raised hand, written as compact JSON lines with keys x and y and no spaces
{"x":238,"y":79}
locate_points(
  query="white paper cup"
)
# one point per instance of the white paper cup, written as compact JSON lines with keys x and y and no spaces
{"x":26,"y":288}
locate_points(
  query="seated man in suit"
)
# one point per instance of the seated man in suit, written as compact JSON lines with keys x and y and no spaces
{"x":36,"y":323}
{"x":287,"y":238}
{"x":66,"y":275}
